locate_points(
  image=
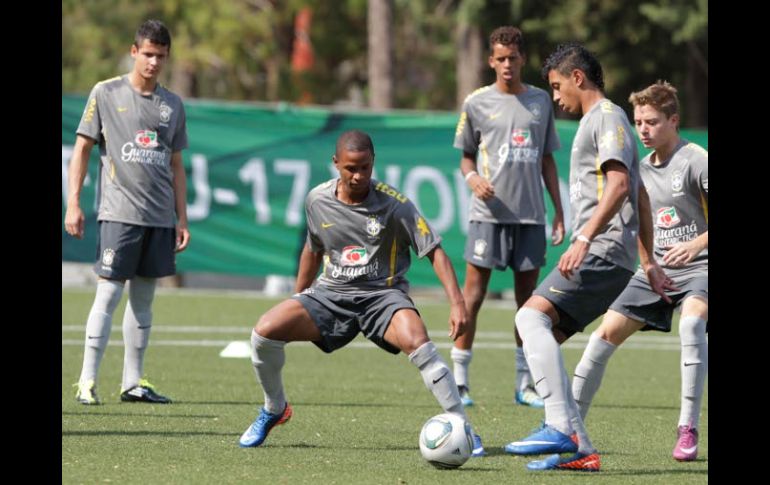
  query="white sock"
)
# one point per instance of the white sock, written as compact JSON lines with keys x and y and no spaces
{"x":462,"y":361}
{"x":523,"y":377}
{"x":438,"y":378}
{"x":590,"y":371}
{"x":99,"y":326}
{"x":546,"y":365}
{"x":137,"y":322}
{"x":694,"y":365}
{"x":268,"y":357}
{"x":584,"y":443}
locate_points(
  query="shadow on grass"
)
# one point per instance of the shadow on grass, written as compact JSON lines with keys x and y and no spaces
{"x":319,"y":404}
{"x":635,"y":406}
{"x":98,"y":413}
{"x":167,"y":434}
{"x":653,"y":472}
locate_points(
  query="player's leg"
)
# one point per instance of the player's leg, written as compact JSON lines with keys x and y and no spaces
{"x":288,"y":321}
{"x":118,"y":250}
{"x":528,"y":247}
{"x":484,"y":248}
{"x":694,"y":366}
{"x":613,"y":331}
{"x":525,"y":393}
{"x":98,"y":328}
{"x":156,"y":260}
{"x":406,"y":331}
{"x":474,"y":291}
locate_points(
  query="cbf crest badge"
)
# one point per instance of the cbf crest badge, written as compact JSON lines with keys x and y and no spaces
{"x":108,"y":256}
{"x":373,"y":226}
{"x":165,"y":112}
{"x":479,"y":247}
{"x":676,"y":181}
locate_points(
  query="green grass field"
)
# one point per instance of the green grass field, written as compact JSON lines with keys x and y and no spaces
{"x":358,"y":412}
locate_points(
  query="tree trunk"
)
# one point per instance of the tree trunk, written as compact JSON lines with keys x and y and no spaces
{"x":469,"y":62}
{"x":380,"y":49}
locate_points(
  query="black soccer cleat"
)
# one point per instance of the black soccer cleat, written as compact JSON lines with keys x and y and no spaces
{"x":143,"y":392}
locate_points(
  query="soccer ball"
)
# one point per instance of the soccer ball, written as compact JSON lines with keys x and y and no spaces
{"x":446,"y":441}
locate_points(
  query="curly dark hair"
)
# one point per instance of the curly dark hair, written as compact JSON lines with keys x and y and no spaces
{"x":572,"y":55}
{"x":506,"y":35}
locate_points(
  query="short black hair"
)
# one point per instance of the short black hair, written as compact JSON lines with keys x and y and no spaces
{"x":506,"y":35}
{"x":354,"y":141}
{"x":572,"y":55}
{"x":154,"y":31}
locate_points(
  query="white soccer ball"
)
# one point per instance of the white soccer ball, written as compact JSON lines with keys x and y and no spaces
{"x":446,"y":441}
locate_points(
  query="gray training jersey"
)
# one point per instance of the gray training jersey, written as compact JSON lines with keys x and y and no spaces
{"x":509,"y":133}
{"x":366,"y":246}
{"x":679,"y":190}
{"x":605,"y":134}
{"x":136,"y":135}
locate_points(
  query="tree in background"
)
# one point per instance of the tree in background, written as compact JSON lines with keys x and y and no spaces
{"x":242,"y":49}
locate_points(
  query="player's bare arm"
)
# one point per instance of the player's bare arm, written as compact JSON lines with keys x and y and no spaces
{"x":74,"y":220}
{"x":615,"y":192}
{"x":309,"y":264}
{"x":180,"y":201}
{"x":551,"y":179}
{"x":478,"y":184}
{"x":659,"y":281}
{"x":442,"y":265}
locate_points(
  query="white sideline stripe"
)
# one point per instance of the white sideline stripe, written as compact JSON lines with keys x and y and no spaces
{"x":436,"y":334}
{"x":368,"y":345}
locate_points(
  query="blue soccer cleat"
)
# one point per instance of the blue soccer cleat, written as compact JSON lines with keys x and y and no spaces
{"x":545,"y":439}
{"x":256,"y":433}
{"x":584,"y":462}
{"x":478,"y":448}
{"x":465,"y":397}
{"x":529,"y":397}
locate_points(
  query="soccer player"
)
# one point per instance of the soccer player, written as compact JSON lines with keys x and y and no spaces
{"x":675,"y":176}
{"x":604,"y":190}
{"x":507,"y":135}
{"x":362,"y":231}
{"x":141,"y":131}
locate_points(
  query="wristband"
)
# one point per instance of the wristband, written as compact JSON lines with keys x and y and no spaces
{"x":581,"y":237}
{"x":470,"y":174}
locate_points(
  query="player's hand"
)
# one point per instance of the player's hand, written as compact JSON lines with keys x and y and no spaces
{"x":182,"y":237}
{"x":74,"y":221}
{"x":679,"y":255}
{"x":457,"y":320}
{"x":557,"y":230}
{"x":481,"y":187}
{"x":659,"y":280}
{"x":572,"y":258}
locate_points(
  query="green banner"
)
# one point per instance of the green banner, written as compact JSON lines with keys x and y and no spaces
{"x":249,"y":168}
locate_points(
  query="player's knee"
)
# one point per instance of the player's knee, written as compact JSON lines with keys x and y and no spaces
{"x":529,"y":320}
{"x":414,"y":342}
{"x":692,"y":330}
{"x":474,"y":296}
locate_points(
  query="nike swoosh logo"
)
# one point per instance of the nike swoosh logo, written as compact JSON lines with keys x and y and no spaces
{"x":120,"y":110}
{"x":557,"y":291}
{"x":494,"y":115}
{"x":326,"y":225}
{"x":690,"y":450}
{"x":436,"y":380}
{"x":589,"y":463}
{"x":98,"y":336}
